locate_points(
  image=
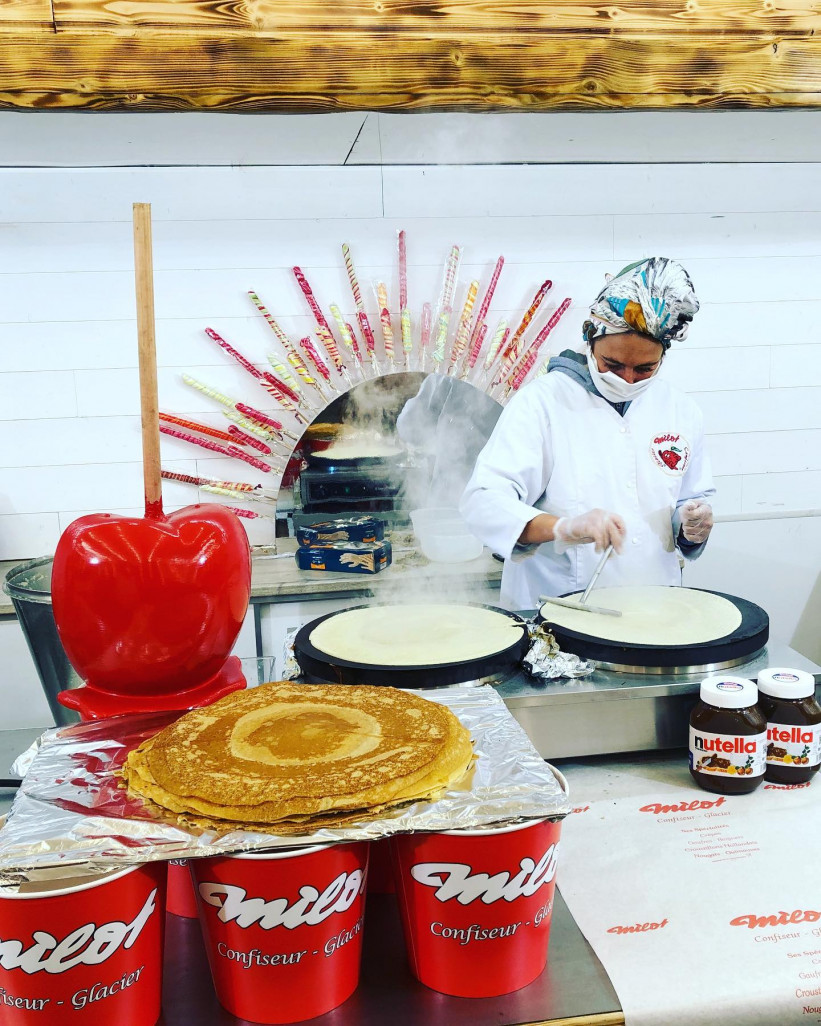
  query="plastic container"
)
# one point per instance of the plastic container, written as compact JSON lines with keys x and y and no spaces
{"x":29,"y":588}
{"x":787,"y":699}
{"x":433,"y":515}
{"x":449,"y":542}
{"x":728,"y":736}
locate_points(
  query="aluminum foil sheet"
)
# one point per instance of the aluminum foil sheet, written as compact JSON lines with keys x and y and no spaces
{"x":546,"y":660}
{"x":70,"y":808}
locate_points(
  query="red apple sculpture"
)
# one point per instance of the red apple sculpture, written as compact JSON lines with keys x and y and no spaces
{"x":148,"y":608}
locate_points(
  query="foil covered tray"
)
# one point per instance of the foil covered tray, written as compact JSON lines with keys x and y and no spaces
{"x":71,"y":808}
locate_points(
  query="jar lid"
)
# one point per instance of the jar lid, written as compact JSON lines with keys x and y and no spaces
{"x":729,"y":692}
{"x":782,"y":682}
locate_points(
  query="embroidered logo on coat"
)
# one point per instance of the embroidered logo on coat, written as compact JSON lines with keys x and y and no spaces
{"x":671,"y":453}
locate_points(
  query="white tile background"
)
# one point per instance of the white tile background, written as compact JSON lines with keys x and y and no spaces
{"x":238,"y":200}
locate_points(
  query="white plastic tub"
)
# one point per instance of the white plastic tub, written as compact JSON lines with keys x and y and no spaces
{"x":449,"y":542}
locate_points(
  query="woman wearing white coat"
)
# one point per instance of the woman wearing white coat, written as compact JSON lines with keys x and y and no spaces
{"x":600,"y":451}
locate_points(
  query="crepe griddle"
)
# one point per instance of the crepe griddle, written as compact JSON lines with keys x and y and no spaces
{"x":341,"y":671}
{"x":319,"y":461}
{"x":747,"y":639}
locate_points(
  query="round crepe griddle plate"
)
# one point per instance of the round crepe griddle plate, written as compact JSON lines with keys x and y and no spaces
{"x":748,"y":638}
{"x":342,"y":671}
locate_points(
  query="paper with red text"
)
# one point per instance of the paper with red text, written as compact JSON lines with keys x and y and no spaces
{"x":703,"y":909}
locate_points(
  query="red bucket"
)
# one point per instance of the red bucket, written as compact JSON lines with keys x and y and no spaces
{"x":476,"y":905}
{"x":84,"y":952}
{"x":283,"y":930}
{"x":181,"y":899}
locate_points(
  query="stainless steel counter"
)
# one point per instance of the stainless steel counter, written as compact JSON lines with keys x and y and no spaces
{"x":620,"y":712}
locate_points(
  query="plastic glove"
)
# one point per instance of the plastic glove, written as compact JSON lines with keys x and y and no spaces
{"x":696,"y":521}
{"x":597,"y":526}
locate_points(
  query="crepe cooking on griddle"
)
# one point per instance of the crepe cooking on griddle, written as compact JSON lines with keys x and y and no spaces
{"x":292,"y":753}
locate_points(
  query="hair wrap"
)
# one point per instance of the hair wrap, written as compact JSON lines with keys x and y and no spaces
{"x":654,"y":297}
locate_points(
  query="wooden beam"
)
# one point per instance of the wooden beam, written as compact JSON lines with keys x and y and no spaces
{"x":348,"y":71}
{"x":409,"y":55}
{"x":29,"y":15}
{"x":449,"y":17}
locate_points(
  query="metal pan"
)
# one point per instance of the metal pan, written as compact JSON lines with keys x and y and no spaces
{"x":749,"y":638}
{"x":341,"y":671}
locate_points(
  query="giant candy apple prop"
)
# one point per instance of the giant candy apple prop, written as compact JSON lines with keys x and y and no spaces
{"x":148,"y":608}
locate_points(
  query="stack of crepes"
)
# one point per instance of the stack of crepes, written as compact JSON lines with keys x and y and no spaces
{"x":290,"y":758}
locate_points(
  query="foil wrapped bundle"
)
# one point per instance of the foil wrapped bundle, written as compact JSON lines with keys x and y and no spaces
{"x":546,"y":660}
{"x":71,"y":806}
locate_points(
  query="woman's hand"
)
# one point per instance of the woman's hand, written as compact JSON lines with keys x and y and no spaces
{"x":597,"y":526}
{"x":696,"y":521}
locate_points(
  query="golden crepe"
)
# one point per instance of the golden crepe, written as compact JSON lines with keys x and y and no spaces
{"x":651,"y":615}
{"x":416,"y":635}
{"x":293,"y":753}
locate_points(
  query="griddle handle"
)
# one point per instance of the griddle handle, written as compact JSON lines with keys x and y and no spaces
{"x":605,"y":556}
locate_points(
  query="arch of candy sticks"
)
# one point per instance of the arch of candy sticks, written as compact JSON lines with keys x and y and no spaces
{"x":307,"y":375}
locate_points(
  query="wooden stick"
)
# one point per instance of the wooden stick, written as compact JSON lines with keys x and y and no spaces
{"x":149,"y":409}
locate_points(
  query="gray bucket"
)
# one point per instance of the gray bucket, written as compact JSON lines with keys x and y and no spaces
{"x":29,"y":587}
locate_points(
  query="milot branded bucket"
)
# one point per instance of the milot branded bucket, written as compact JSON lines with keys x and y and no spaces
{"x":476,"y":905}
{"x":283,"y":929}
{"x":84,"y":950}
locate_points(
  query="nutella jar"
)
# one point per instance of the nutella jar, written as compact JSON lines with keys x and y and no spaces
{"x":728,"y":736}
{"x":793,"y":724}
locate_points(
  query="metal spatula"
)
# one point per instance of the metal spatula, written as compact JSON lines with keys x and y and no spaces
{"x":582,"y":603}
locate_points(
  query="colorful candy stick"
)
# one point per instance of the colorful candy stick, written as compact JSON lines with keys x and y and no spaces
{"x":212,"y":393}
{"x":233,"y":353}
{"x":475,"y":348}
{"x":291,"y":352}
{"x":407,"y":335}
{"x":234,"y":486}
{"x":364,"y":323}
{"x":281,"y":392}
{"x":404,"y":312}
{"x":316,"y":359}
{"x":323,"y":330}
{"x":517,"y":374}
{"x":424,"y":336}
{"x":254,"y":427}
{"x":279,"y":368}
{"x":354,"y":341}
{"x":193,"y":425}
{"x":223,"y":450}
{"x":263,"y":418}
{"x":445,"y":306}
{"x":463,"y":329}
{"x":485,"y":304}
{"x":246,"y":514}
{"x":385,"y":320}
{"x":245,"y":439}
{"x":403,"y":272}
{"x":500,"y":336}
{"x":347,"y":337}
{"x":513,"y":350}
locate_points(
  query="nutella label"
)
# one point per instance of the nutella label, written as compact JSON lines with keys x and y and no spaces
{"x":792,"y":746}
{"x":728,"y":755}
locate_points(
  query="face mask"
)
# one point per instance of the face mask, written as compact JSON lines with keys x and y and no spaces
{"x":614,"y":388}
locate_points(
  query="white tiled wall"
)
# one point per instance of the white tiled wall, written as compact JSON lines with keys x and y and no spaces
{"x":749,"y":233}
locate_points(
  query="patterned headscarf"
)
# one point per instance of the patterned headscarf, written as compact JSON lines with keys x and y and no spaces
{"x":654,"y":297}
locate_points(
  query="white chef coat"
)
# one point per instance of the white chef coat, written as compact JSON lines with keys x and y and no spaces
{"x":563,"y":450}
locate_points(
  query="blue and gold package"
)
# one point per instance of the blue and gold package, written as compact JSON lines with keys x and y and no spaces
{"x":342,"y":529}
{"x":348,"y":557}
